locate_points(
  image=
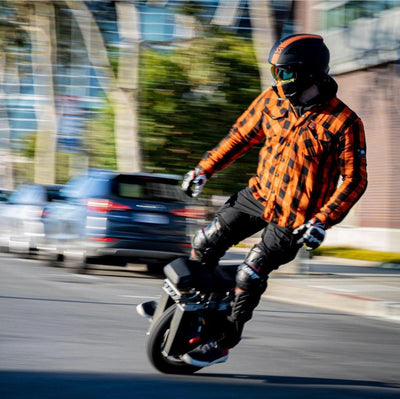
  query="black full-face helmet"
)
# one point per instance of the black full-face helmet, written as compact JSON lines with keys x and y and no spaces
{"x":297,"y":62}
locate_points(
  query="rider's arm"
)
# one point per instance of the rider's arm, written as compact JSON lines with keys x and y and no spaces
{"x":244,"y":135}
{"x":353,"y":168}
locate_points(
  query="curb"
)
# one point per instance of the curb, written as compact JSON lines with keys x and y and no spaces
{"x":290,"y":292}
{"x":288,"y":285}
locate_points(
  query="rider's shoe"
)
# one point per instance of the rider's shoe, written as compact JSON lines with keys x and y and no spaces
{"x":147,"y":309}
{"x":206,"y":354}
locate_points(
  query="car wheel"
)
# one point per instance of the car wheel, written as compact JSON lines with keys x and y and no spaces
{"x":56,"y":260}
{"x":76,"y":261}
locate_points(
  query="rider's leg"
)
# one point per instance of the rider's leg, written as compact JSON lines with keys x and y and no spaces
{"x":211,"y":242}
{"x":234,"y":222}
{"x":229,"y":226}
{"x":238,"y":219}
{"x":276,"y":248}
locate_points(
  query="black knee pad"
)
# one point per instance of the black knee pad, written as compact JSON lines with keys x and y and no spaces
{"x":210,"y":243}
{"x":249,"y":275}
{"x":249,"y":285}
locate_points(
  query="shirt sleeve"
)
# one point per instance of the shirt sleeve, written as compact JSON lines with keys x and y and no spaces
{"x":244,"y":134}
{"x":353,"y":169}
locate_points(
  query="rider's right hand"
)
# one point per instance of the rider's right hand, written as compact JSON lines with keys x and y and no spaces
{"x":311,"y":234}
{"x":193,"y":182}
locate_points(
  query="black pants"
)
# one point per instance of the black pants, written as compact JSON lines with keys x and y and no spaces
{"x":241,"y":217}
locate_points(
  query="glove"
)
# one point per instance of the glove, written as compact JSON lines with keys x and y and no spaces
{"x":193,"y":182}
{"x":310,"y":234}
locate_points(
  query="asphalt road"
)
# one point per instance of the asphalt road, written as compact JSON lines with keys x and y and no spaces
{"x":64,"y":335}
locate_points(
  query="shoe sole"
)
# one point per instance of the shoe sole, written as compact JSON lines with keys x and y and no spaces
{"x":198,"y":363}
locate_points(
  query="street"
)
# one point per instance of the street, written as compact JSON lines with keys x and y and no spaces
{"x":66,"y":335}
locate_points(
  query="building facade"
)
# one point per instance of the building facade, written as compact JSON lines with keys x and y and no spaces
{"x":363,"y":37}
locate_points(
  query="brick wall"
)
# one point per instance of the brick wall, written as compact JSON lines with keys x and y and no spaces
{"x":374,"y":94}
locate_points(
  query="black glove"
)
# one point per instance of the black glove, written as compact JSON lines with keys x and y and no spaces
{"x":193,"y":182}
{"x":310,"y":234}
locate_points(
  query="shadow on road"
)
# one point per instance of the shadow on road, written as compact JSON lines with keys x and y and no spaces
{"x":60,"y":385}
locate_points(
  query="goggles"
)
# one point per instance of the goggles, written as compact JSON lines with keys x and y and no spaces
{"x":282,"y":74}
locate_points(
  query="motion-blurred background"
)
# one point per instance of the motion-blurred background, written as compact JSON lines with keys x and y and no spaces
{"x":138,"y":86}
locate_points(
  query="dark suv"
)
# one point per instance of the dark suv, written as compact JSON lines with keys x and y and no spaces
{"x":119,"y":218}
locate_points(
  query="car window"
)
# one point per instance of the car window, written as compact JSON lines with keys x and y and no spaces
{"x":85,"y":187}
{"x":28,"y":195}
{"x":53,"y":194}
{"x":128,"y":190}
{"x":5,"y":195}
{"x":97,"y":187}
{"x":74,"y":188}
{"x":163,"y":191}
{"x":149,"y":189}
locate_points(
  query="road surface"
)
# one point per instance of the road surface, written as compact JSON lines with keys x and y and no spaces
{"x":64,"y":335}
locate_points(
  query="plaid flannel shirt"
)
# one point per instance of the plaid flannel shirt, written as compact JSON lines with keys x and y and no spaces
{"x":302,"y":159}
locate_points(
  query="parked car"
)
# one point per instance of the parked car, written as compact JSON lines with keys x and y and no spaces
{"x":120,"y":218}
{"x":4,"y":195}
{"x":21,"y":226}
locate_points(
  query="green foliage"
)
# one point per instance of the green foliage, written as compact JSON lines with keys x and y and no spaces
{"x":99,"y":146}
{"x":190,"y":97}
{"x":63,"y":160}
{"x":23,"y":171}
{"x":27,"y":146}
{"x":357,"y":253}
{"x":100,"y":140}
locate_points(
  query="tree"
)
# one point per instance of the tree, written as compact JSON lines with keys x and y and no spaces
{"x":10,"y":37}
{"x":263,"y":36}
{"x":39,"y":19}
{"x":190,"y":97}
{"x":42,"y":31}
{"x":121,"y":94}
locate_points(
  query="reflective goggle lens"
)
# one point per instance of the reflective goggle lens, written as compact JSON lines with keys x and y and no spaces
{"x":281,"y":74}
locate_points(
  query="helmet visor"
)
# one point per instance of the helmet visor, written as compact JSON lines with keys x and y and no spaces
{"x":282,"y":74}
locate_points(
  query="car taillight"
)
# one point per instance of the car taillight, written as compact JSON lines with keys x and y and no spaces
{"x":103,"y":206}
{"x":193,"y":213}
{"x":45,"y":213}
{"x":102,"y":239}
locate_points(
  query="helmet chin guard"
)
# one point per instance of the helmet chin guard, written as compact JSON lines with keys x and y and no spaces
{"x":292,"y":90}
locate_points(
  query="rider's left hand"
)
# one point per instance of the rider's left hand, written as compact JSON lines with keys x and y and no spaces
{"x":193,"y":182}
{"x":310,"y":234}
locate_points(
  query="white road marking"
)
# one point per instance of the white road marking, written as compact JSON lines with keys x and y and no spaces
{"x":140,"y":296}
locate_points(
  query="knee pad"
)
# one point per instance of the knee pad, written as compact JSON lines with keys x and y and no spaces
{"x":249,"y":286}
{"x":210,"y":243}
{"x":248,"y":277}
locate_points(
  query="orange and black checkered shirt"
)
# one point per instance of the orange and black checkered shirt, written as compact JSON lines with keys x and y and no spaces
{"x":302,"y":160}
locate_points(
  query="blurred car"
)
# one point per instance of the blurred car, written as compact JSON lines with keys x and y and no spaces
{"x":4,"y":195}
{"x":21,"y":226}
{"x":119,"y":218}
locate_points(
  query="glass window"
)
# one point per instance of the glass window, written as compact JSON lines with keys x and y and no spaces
{"x":28,"y":195}
{"x":137,"y":187}
{"x":131,"y":190}
{"x":338,"y":14}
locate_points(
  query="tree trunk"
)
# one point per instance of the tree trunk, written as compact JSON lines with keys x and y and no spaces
{"x":42,"y":36}
{"x":128,"y":147}
{"x":124,"y":102}
{"x":263,"y":37}
{"x":6,"y":175}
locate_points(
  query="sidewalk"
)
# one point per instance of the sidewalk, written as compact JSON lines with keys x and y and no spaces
{"x":364,"y":288}
{"x":342,"y":285}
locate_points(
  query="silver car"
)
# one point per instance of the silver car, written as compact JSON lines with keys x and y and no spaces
{"x":21,"y":226}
